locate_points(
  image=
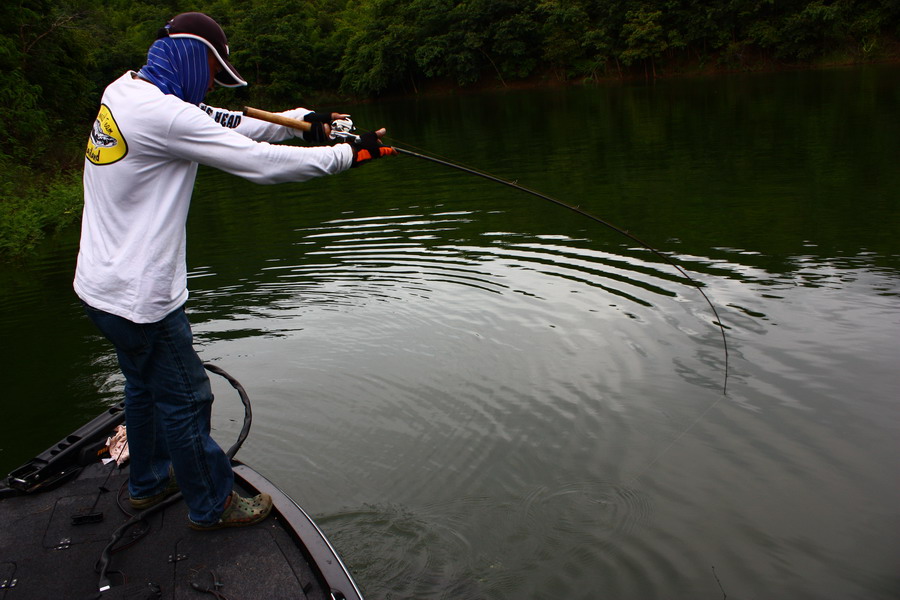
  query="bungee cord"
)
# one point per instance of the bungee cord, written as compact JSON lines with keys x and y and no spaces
{"x":102,"y":567}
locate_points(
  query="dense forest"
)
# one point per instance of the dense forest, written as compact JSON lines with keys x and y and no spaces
{"x":57,"y":56}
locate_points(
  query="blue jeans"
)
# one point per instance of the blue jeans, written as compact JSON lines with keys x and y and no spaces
{"x":168,"y":406}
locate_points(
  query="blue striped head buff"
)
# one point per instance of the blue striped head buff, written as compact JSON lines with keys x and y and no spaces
{"x":178,"y":66}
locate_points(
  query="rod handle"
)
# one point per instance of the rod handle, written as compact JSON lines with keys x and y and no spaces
{"x":264,"y":115}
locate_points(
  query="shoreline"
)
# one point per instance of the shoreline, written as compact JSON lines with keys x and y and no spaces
{"x":684,"y":70}
{"x":37,"y":205}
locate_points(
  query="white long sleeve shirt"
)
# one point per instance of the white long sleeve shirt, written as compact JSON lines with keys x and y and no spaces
{"x":140,"y":166}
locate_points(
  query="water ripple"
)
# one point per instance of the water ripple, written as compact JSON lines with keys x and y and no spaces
{"x":556,"y":393}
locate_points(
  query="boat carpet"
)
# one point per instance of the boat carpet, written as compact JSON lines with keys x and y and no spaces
{"x":45,"y":556}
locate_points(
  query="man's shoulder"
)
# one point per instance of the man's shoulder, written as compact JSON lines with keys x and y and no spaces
{"x":139,"y":102}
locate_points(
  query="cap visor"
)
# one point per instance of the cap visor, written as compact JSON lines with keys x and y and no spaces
{"x":228,"y":76}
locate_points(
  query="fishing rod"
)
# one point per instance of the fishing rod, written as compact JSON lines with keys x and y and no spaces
{"x":342,"y":130}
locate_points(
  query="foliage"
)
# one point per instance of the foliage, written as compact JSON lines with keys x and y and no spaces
{"x":289,"y":48}
{"x":644,"y":36}
{"x":45,"y":93}
{"x":57,"y":55}
{"x":44,"y":58}
{"x":29,"y":209}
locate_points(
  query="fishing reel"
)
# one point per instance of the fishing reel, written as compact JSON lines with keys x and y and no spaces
{"x":342,"y":130}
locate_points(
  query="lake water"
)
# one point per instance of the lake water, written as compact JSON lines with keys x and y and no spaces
{"x":478,"y":394}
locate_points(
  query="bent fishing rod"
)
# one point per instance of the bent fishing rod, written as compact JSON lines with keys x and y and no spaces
{"x":342,"y":130}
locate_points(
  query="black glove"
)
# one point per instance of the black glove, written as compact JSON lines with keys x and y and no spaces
{"x":317,"y":121}
{"x":369,"y":147}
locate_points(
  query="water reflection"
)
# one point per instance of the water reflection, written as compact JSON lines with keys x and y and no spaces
{"x":556,"y":393}
{"x":480,"y":396}
{"x":401,"y":252}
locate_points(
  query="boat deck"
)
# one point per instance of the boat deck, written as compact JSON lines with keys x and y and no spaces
{"x":45,"y":555}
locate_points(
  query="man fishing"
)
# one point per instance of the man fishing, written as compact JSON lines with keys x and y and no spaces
{"x":140,"y":165}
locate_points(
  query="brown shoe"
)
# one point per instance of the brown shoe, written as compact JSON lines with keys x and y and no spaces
{"x":145,"y":503}
{"x":240,"y":512}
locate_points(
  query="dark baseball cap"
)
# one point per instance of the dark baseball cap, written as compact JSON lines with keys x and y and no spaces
{"x":201,"y":27}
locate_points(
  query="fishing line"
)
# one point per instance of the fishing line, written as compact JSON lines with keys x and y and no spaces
{"x":630,"y":236}
{"x":342,"y":130}
{"x":675,"y":440}
{"x":584,"y":213}
{"x":724,"y":595}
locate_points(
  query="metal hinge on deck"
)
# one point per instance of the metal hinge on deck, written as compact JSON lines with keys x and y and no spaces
{"x":63,"y":544}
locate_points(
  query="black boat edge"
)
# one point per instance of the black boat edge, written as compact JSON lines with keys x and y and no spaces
{"x":309,"y":538}
{"x":63,"y":462}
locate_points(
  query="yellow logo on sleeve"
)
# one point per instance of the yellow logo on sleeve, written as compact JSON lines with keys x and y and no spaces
{"x":106,"y":143}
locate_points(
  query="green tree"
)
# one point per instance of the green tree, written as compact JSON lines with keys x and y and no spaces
{"x":395,"y":43}
{"x":44,"y":87}
{"x":286,"y":49}
{"x":644,"y":37}
{"x":380,"y":47}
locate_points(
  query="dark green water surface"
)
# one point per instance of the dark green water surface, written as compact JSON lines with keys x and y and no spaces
{"x":479,"y":394}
